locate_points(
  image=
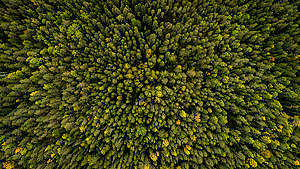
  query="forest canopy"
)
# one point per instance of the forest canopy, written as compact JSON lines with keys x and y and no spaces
{"x":149,"y":84}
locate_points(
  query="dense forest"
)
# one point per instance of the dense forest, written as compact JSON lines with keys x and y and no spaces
{"x":149,"y":84}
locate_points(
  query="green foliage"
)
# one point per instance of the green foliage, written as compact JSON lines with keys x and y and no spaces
{"x":149,"y":84}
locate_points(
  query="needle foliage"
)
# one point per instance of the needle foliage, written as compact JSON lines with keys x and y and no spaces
{"x":149,"y":84}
